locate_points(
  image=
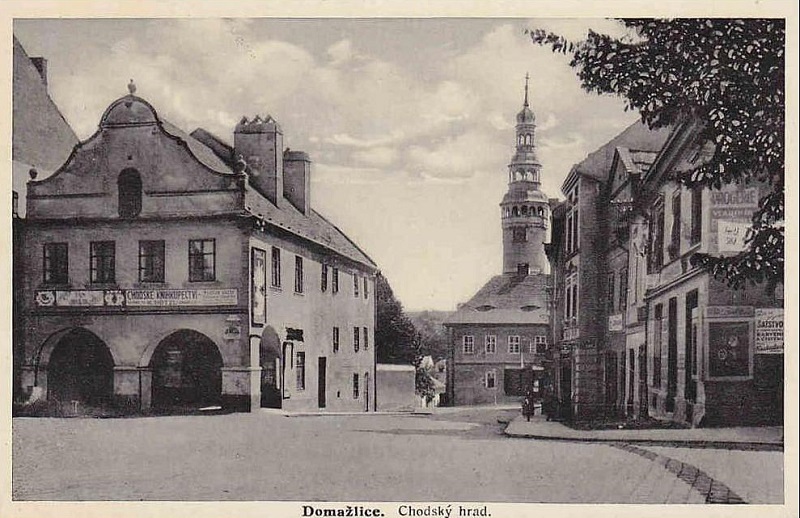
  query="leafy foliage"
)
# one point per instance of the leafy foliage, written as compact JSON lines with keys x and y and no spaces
{"x":728,"y":75}
{"x":395,"y":336}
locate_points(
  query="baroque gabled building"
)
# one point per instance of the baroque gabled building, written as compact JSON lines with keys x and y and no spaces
{"x":498,"y":339}
{"x":168,"y":271}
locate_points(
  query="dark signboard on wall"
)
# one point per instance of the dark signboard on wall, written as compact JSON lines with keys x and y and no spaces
{"x":729,"y":349}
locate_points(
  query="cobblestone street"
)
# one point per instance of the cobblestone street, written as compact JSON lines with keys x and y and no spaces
{"x":265,"y":456}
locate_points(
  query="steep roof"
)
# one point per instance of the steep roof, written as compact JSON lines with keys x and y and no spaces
{"x":41,"y":135}
{"x":313,"y":226}
{"x":506,"y":299}
{"x":637,"y":137}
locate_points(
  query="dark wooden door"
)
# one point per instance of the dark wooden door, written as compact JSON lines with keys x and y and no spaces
{"x":321,"y":385}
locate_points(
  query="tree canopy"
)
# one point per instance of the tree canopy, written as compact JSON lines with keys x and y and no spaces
{"x":395,"y":336}
{"x":728,"y":74}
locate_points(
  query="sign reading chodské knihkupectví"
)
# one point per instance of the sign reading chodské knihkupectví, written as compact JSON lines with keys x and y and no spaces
{"x":137,"y":298}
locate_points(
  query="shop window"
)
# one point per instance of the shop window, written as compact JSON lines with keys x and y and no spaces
{"x":202,"y":260}
{"x":56,"y":263}
{"x":102,"y":261}
{"x":151,"y":261}
{"x":129,"y":190}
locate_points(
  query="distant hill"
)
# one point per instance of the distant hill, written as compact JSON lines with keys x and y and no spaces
{"x":434,"y":335}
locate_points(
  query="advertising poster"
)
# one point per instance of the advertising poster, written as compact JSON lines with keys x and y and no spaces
{"x":769,"y":331}
{"x":728,"y":349}
{"x":258,"y":287}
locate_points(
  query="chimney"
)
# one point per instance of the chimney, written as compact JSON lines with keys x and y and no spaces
{"x":260,"y":142}
{"x":41,"y":66}
{"x":297,"y":179}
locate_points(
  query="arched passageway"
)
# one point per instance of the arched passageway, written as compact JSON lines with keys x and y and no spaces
{"x":186,"y":371}
{"x":81,"y":369}
{"x":270,"y":356}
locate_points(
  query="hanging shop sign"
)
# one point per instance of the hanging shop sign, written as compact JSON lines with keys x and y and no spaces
{"x":769,"y":331}
{"x":160,"y":298}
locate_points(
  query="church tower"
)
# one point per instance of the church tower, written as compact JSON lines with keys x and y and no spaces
{"x":525,"y":211}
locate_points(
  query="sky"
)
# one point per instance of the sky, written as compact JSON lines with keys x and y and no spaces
{"x":409,"y":122}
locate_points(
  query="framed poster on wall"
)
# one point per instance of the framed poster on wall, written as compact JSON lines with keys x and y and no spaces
{"x":729,"y":347}
{"x":258,"y":287}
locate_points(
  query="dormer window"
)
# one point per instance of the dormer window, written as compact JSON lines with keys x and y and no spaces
{"x":129,"y":187}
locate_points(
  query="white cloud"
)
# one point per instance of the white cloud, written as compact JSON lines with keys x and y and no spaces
{"x":377,"y":156}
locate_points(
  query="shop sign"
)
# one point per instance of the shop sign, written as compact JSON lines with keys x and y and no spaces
{"x":769,"y":331}
{"x":732,"y":210}
{"x":210,"y":297}
{"x":615,"y":322}
{"x":78,"y":298}
{"x":728,"y":349}
{"x":730,"y":311}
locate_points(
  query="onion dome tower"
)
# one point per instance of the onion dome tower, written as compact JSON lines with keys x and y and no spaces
{"x":525,"y":211}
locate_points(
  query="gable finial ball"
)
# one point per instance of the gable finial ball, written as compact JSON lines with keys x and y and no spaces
{"x":33,"y":173}
{"x":132,"y":87}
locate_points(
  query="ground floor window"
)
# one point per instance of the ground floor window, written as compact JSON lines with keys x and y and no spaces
{"x":356,"y":391}
{"x":491,"y":379}
{"x":300,"y":370}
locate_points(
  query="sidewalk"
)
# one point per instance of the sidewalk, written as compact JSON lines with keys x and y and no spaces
{"x":765,"y":437}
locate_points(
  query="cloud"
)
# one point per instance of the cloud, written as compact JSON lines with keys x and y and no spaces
{"x":377,"y":156}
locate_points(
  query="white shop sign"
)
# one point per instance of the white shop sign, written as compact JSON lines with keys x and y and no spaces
{"x":210,"y":297}
{"x":769,"y":331}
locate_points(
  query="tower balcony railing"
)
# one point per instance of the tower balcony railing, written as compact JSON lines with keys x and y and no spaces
{"x":536,"y":221}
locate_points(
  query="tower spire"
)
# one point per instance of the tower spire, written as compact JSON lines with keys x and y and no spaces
{"x":525,"y":104}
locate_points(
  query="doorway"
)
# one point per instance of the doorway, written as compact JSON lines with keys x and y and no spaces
{"x":322,"y":368}
{"x":81,"y":369}
{"x":186,"y":372}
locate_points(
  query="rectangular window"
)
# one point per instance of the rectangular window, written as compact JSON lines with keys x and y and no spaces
{"x":366,"y":338}
{"x":355,"y":338}
{"x":657,"y":332}
{"x":335,"y":281}
{"x":697,"y":216}
{"x":468,"y":344}
{"x":366,"y":287}
{"x":491,"y":380}
{"x":56,"y":263}
{"x":298,"y":274}
{"x":323,"y":282}
{"x":531,"y":347}
{"x":102,"y":261}
{"x":571,"y":300}
{"x":656,"y":241}
{"x":300,"y":370}
{"x":355,"y":285}
{"x":491,"y":344}
{"x":202,"y":260}
{"x":336,"y":339}
{"x":623,"y":288}
{"x":674,"y":248}
{"x":275,"y":278}
{"x":610,"y":292}
{"x":513,"y":344}
{"x":356,"y":391}
{"x":151,"y":261}
{"x":519,"y":235}
{"x":540,"y":342}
